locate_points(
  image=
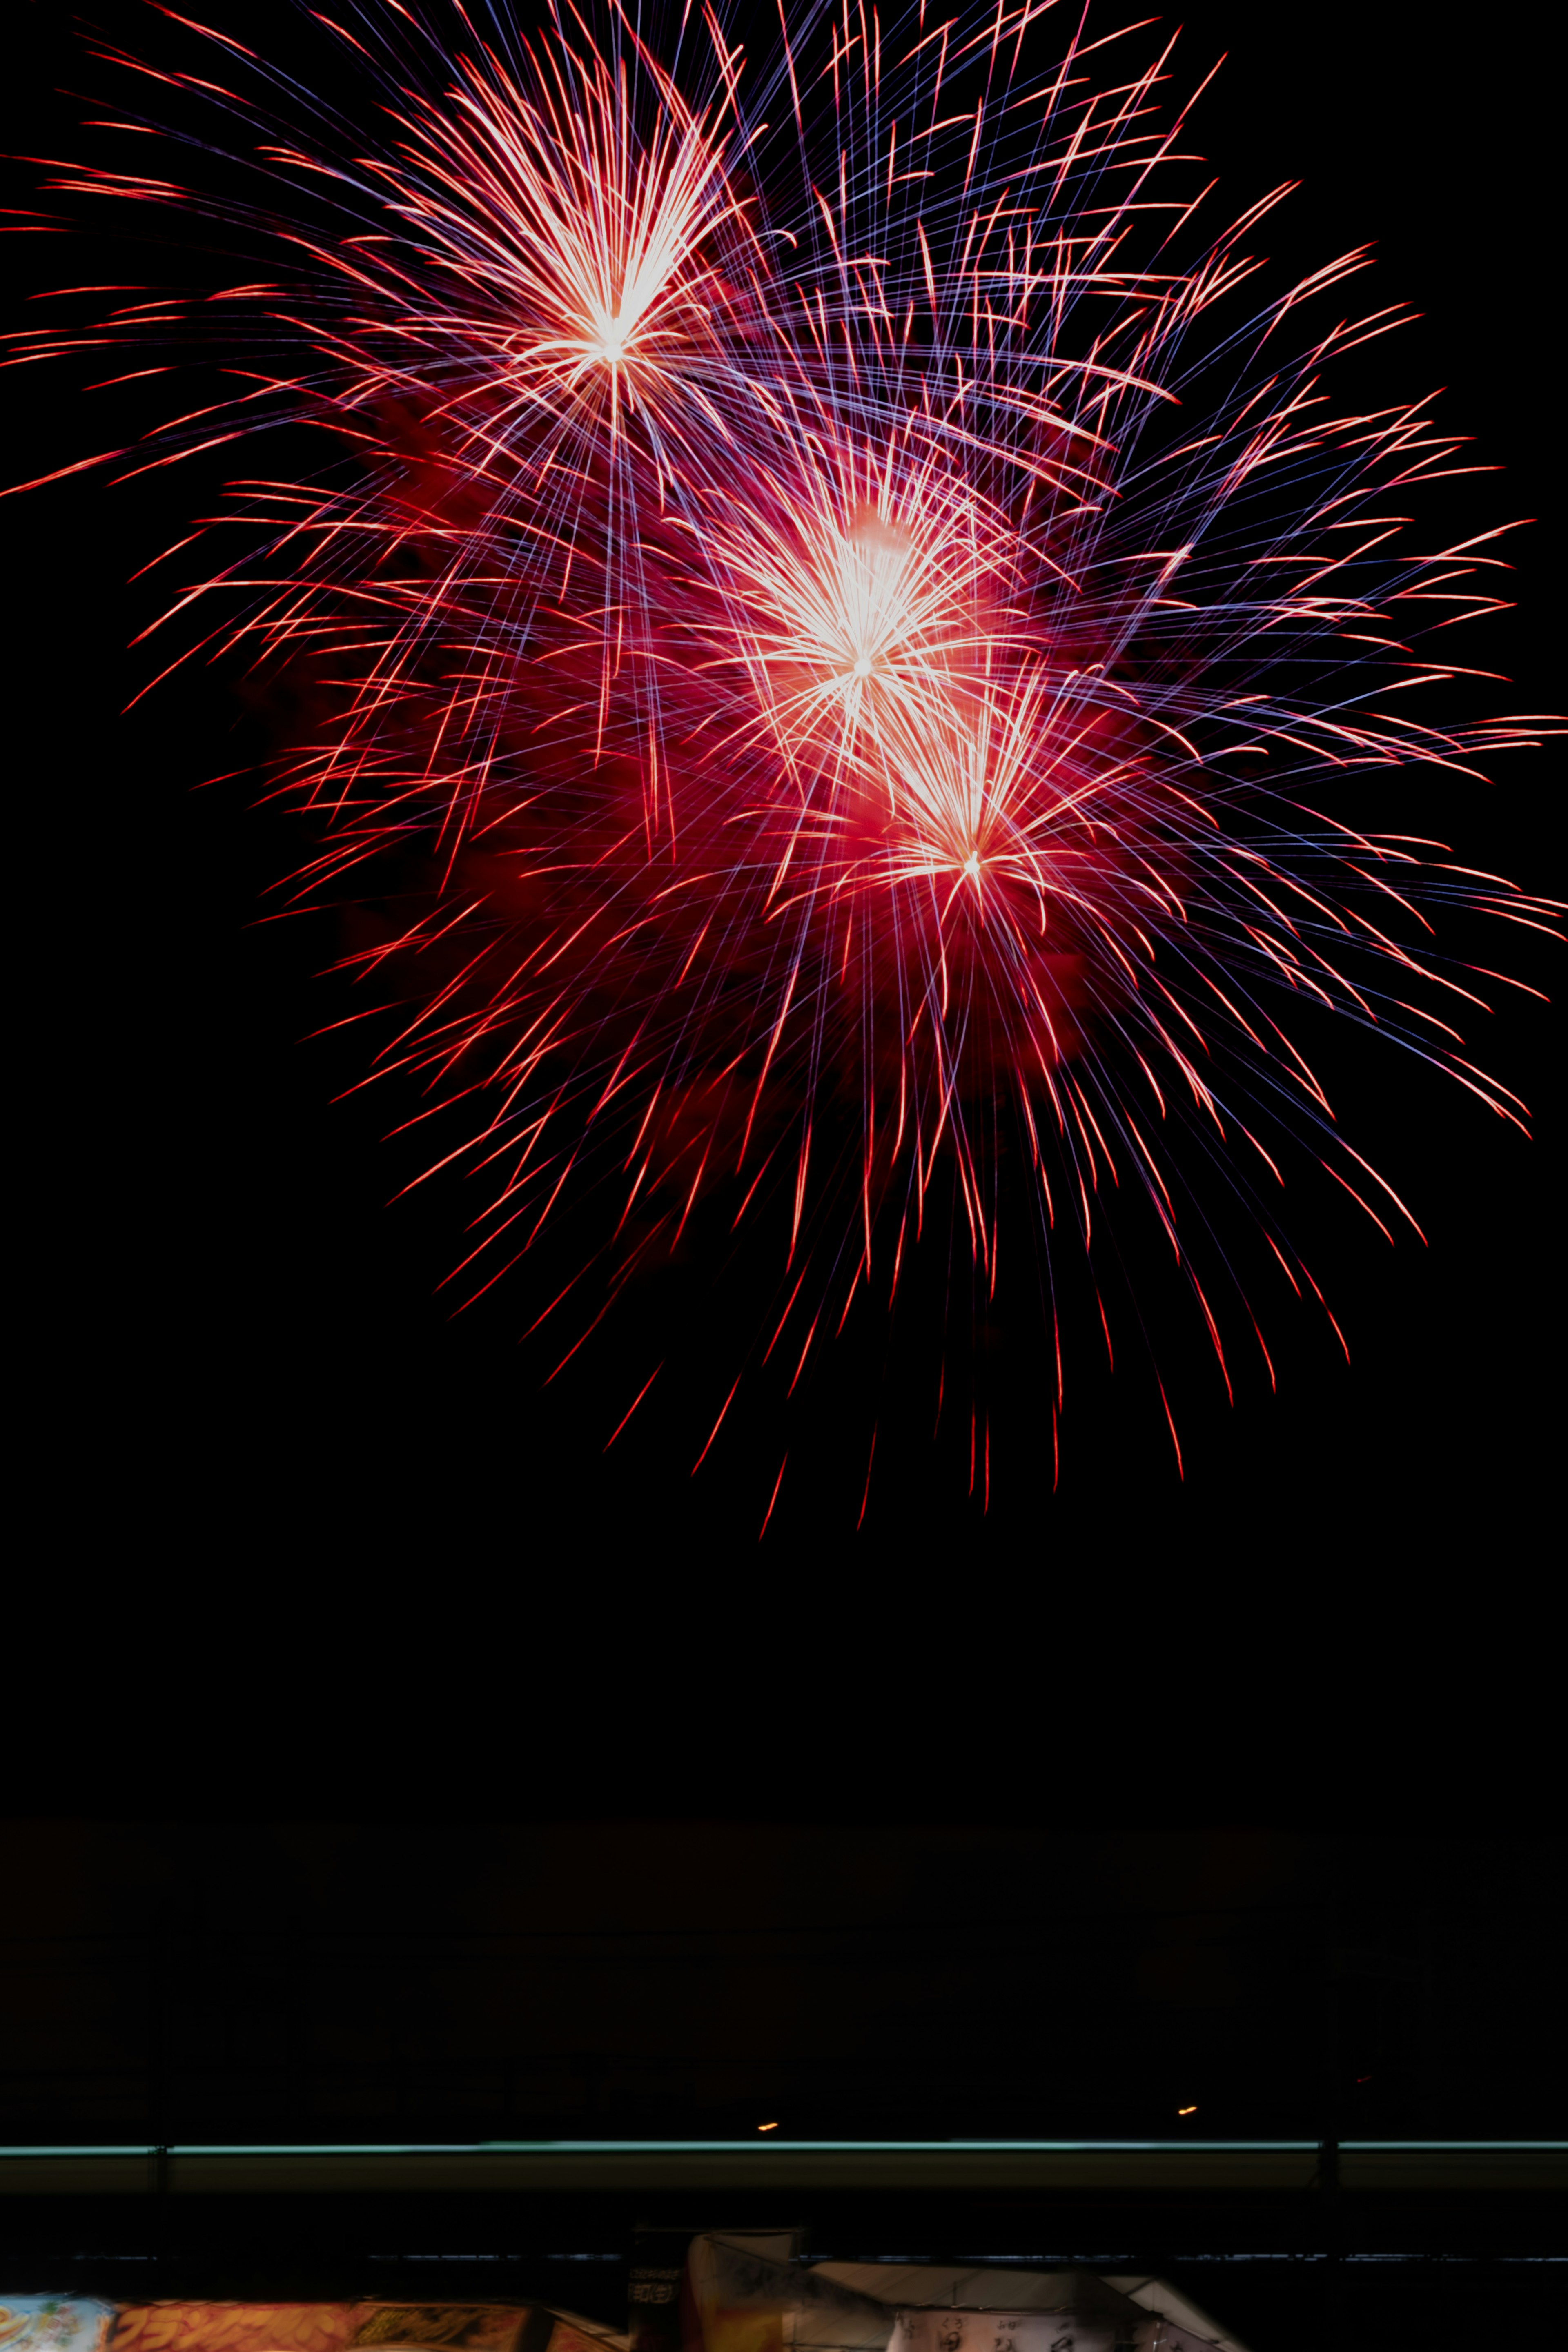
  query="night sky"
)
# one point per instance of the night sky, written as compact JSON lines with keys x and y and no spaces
{"x":233,"y":1343}
{"x":385,"y":1979}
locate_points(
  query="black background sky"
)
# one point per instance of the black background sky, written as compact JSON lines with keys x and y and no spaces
{"x":363,"y":1978}
{"x":234,"y":1351}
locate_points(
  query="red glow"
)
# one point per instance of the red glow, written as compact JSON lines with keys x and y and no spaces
{"x":775,"y":652}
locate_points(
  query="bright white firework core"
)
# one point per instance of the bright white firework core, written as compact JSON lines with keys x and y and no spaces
{"x":610,"y":338}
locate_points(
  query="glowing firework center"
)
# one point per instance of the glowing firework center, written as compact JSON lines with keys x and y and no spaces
{"x":817,"y":693}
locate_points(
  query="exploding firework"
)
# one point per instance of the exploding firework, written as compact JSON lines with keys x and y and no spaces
{"x":849,"y":627}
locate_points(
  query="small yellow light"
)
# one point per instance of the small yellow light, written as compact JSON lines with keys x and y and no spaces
{"x":1186,"y":2111}
{"x":767,"y":2127}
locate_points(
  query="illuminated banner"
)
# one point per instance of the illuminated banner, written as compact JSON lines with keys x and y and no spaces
{"x":1070,"y":2329}
{"x":54,"y":2322}
{"x":711,"y":2291}
{"x":720,"y":2291}
{"x":41,"y":2322}
{"x":750,"y":2292}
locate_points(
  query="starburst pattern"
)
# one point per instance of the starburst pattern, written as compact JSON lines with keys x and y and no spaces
{"x":836,"y":591}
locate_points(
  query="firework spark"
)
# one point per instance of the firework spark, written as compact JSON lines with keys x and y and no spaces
{"x":834,"y":592}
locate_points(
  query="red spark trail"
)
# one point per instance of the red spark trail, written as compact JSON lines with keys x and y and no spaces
{"x":831,"y":609}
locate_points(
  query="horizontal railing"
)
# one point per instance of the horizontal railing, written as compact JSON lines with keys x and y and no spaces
{"x":308,"y":2167}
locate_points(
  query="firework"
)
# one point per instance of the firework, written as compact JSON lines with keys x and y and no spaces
{"x":836,"y":604}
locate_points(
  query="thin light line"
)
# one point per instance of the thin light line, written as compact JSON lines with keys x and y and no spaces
{"x":1518,"y":2147}
{"x":763,"y":2149}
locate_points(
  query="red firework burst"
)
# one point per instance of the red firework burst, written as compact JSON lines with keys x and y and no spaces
{"x":833,"y":608}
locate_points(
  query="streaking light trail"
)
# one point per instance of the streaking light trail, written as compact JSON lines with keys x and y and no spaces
{"x":835,"y":607}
